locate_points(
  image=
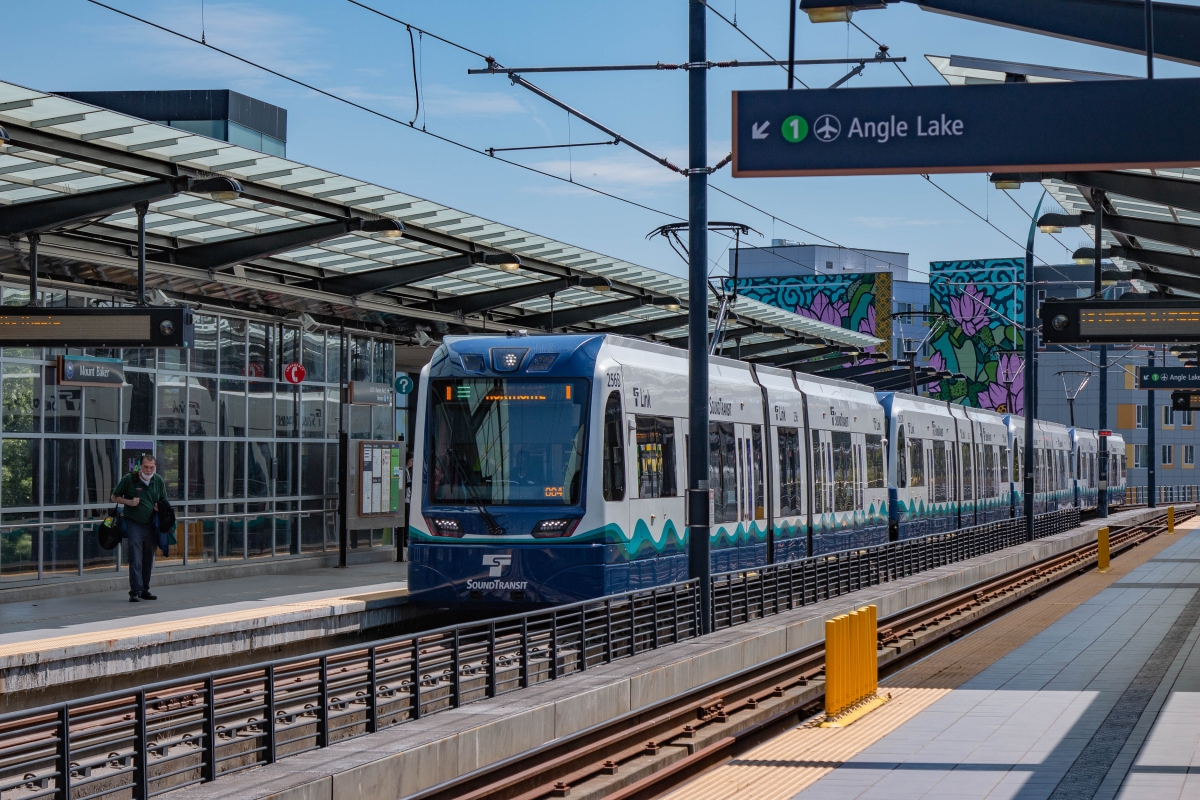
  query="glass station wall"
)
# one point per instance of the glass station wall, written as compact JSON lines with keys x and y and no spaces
{"x":250,"y":461}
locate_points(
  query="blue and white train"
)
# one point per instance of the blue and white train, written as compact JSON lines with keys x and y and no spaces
{"x":551,"y":469}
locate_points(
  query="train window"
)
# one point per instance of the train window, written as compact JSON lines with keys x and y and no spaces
{"x":1062,"y":470}
{"x":968,"y":485}
{"x":789,"y":471}
{"x":1005,"y":459}
{"x":722,"y":471}
{"x":991,"y":455}
{"x":876,"y":478}
{"x":614,"y":450}
{"x":756,"y":446}
{"x":901,"y":459}
{"x":941,"y":472}
{"x":1018,"y":463}
{"x":916,"y":457}
{"x":818,"y":474}
{"x":656,"y":457}
{"x":859,"y":476}
{"x":843,"y":472}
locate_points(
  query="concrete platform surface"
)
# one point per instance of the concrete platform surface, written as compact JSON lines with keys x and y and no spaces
{"x":75,"y":638}
{"x":1103,"y":703}
{"x":416,"y":755}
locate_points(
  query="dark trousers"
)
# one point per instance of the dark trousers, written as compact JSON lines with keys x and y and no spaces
{"x":140,"y":544}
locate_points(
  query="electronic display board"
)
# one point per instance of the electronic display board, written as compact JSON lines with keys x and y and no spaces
{"x":1120,"y":321}
{"x":138,"y":326}
{"x":1185,"y":401}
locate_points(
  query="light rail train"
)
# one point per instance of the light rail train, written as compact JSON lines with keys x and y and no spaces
{"x":551,"y":469}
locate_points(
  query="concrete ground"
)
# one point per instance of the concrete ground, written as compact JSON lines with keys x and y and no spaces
{"x":76,"y":613}
{"x":1101,"y":704}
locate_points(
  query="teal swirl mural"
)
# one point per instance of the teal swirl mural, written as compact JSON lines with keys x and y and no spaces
{"x":847,"y":301}
{"x":981,"y":337}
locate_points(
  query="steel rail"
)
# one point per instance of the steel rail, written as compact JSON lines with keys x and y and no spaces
{"x":708,"y":726}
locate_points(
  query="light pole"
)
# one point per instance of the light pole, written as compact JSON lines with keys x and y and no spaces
{"x":1030,"y":371}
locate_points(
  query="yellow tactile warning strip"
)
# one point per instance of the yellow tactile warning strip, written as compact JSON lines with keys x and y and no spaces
{"x":174,"y":630}
{"x":799,"y":758}
{"x":790,"y":763}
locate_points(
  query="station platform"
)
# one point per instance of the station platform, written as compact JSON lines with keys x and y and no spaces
{"x":1090,"y":691}
{"x":425,"y":752}
{"x":50,"y":647}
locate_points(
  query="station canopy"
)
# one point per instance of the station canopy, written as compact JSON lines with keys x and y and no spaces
{"x":296,"y":238}
{"x":1151,"y":219}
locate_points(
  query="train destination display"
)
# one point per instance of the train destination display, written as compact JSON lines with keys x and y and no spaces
{"x":144,"y":326}
{"x":1011,"y":127}
{"x":1119,"y":322}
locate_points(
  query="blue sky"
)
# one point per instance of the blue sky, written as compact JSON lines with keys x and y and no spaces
{"x":74,"y":45}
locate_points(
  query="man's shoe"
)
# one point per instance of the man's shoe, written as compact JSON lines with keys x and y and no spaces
{"x":147,"y":596}
{"x":133,"y":598}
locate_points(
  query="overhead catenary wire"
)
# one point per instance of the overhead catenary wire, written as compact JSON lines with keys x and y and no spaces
{"x":748,"y":38}
{"x":416,"y":88}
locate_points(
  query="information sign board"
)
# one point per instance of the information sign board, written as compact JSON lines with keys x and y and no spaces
{"x":1185,"y":401}
{"x":135,"y":326}
{"x":381,"y":471}
{"x":88,"y":371}
{"x":1010,"y":127}
{"x":1120,"y":321}
{"x":1168,"y":378}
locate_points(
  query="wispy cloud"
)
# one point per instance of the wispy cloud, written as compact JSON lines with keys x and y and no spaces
{"x":616,"y":172}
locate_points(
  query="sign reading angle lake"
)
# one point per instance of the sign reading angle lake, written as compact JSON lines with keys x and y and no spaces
{"x":1009,"y":127}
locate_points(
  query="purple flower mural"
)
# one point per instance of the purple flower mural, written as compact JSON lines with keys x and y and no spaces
{"x":1011,"y":369}
{"x":939,"y":363}
{"x":995,"y":398}
{"x":970,"y":310}
{"x":823,"y":310}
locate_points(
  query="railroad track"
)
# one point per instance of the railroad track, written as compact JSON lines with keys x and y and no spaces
{"x":649,"y":752}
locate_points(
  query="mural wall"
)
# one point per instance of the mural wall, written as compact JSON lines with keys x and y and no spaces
{"x":980,"y":338}
{"x":859,"y":302}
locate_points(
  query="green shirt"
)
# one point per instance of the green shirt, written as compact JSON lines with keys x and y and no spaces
{"x":131,"y":486}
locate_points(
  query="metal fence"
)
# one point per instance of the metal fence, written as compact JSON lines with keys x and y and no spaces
{"x":1138,"y":495}
{"x":745,"y":595}
{"x":145,"y":742}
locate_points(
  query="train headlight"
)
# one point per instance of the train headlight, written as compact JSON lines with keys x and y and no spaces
{"x":555,"y":528}
{"x":440,"y":526}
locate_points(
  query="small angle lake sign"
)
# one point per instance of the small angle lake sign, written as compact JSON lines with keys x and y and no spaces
{"x":1011,"y":127}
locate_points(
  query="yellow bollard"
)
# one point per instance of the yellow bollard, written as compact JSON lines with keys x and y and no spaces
{"x":1102,"y":550}
{"x":851,"y":666}
{"x":1170,"y":519}
{"x":831,"y":627}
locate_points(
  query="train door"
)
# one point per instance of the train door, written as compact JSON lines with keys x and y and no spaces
{"x":823,"y":489}
{"x":751,"y":494}
{"x":657,"y":498}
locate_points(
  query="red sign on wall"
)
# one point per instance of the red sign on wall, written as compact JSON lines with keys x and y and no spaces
{"x":294,"y":372}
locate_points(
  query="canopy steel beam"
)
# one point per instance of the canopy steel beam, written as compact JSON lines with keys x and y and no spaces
{"x":748,"y":350}
{"x":1169,"y":279}
{"x":1178,"y":192}
{"x":789,"y":360}
{"x":1177,"y":262}
{"x":650,"y":327}
{"x":574,"y":315}
{"x":380,"y":280}
{"x":1119,"y":24}
{"x":1165,"y":232}
{"x":228,"y":252}
{"x":495,"y":298}
{"x":55,"y":212}
{"x":860,"y":369}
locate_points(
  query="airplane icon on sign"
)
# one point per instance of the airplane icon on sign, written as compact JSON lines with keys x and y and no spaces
{"x":828,"y":128}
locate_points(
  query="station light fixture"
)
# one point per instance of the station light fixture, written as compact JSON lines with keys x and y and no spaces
{"x":219,"y":189}
{"x":387,"y":228}
{"x":1050,"y":228}
{"x":597,"y":283}
{"x":1006,"y":185}
{"x":505,"y":261}
{"x":836,"y":10}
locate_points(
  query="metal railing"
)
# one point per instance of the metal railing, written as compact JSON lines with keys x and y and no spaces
{"x":745,"y":595}
{"x":145,"y":742}
{"x":1138,"y":495}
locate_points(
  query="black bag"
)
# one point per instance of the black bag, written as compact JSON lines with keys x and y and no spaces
{"x":110,"y":532}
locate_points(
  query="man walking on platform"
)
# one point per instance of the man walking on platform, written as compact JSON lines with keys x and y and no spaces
{"x":140,"y":492}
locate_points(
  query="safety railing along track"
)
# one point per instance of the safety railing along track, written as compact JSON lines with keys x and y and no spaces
{"x":169,"y":735}
{"x":165,"y":736}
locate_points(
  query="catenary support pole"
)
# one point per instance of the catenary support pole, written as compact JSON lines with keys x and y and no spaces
{"x":1149,"y":38}
{"x":1151,"y":455}
{"x":1098,"y":291}
{"x":792,"y":42}
{"x":343,"y":454}
{"x":141,"y":209}
{"x":33,"y":268}
{"x":699,"y":565}
{"x":1030,"y":373}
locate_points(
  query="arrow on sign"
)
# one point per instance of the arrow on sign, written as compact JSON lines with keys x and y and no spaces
{"x":759,"y":130}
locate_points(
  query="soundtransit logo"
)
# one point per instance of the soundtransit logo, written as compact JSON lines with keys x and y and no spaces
{"x":496,"y":564}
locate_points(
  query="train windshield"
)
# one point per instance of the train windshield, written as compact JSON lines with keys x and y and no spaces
{"x":499,"y":442}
